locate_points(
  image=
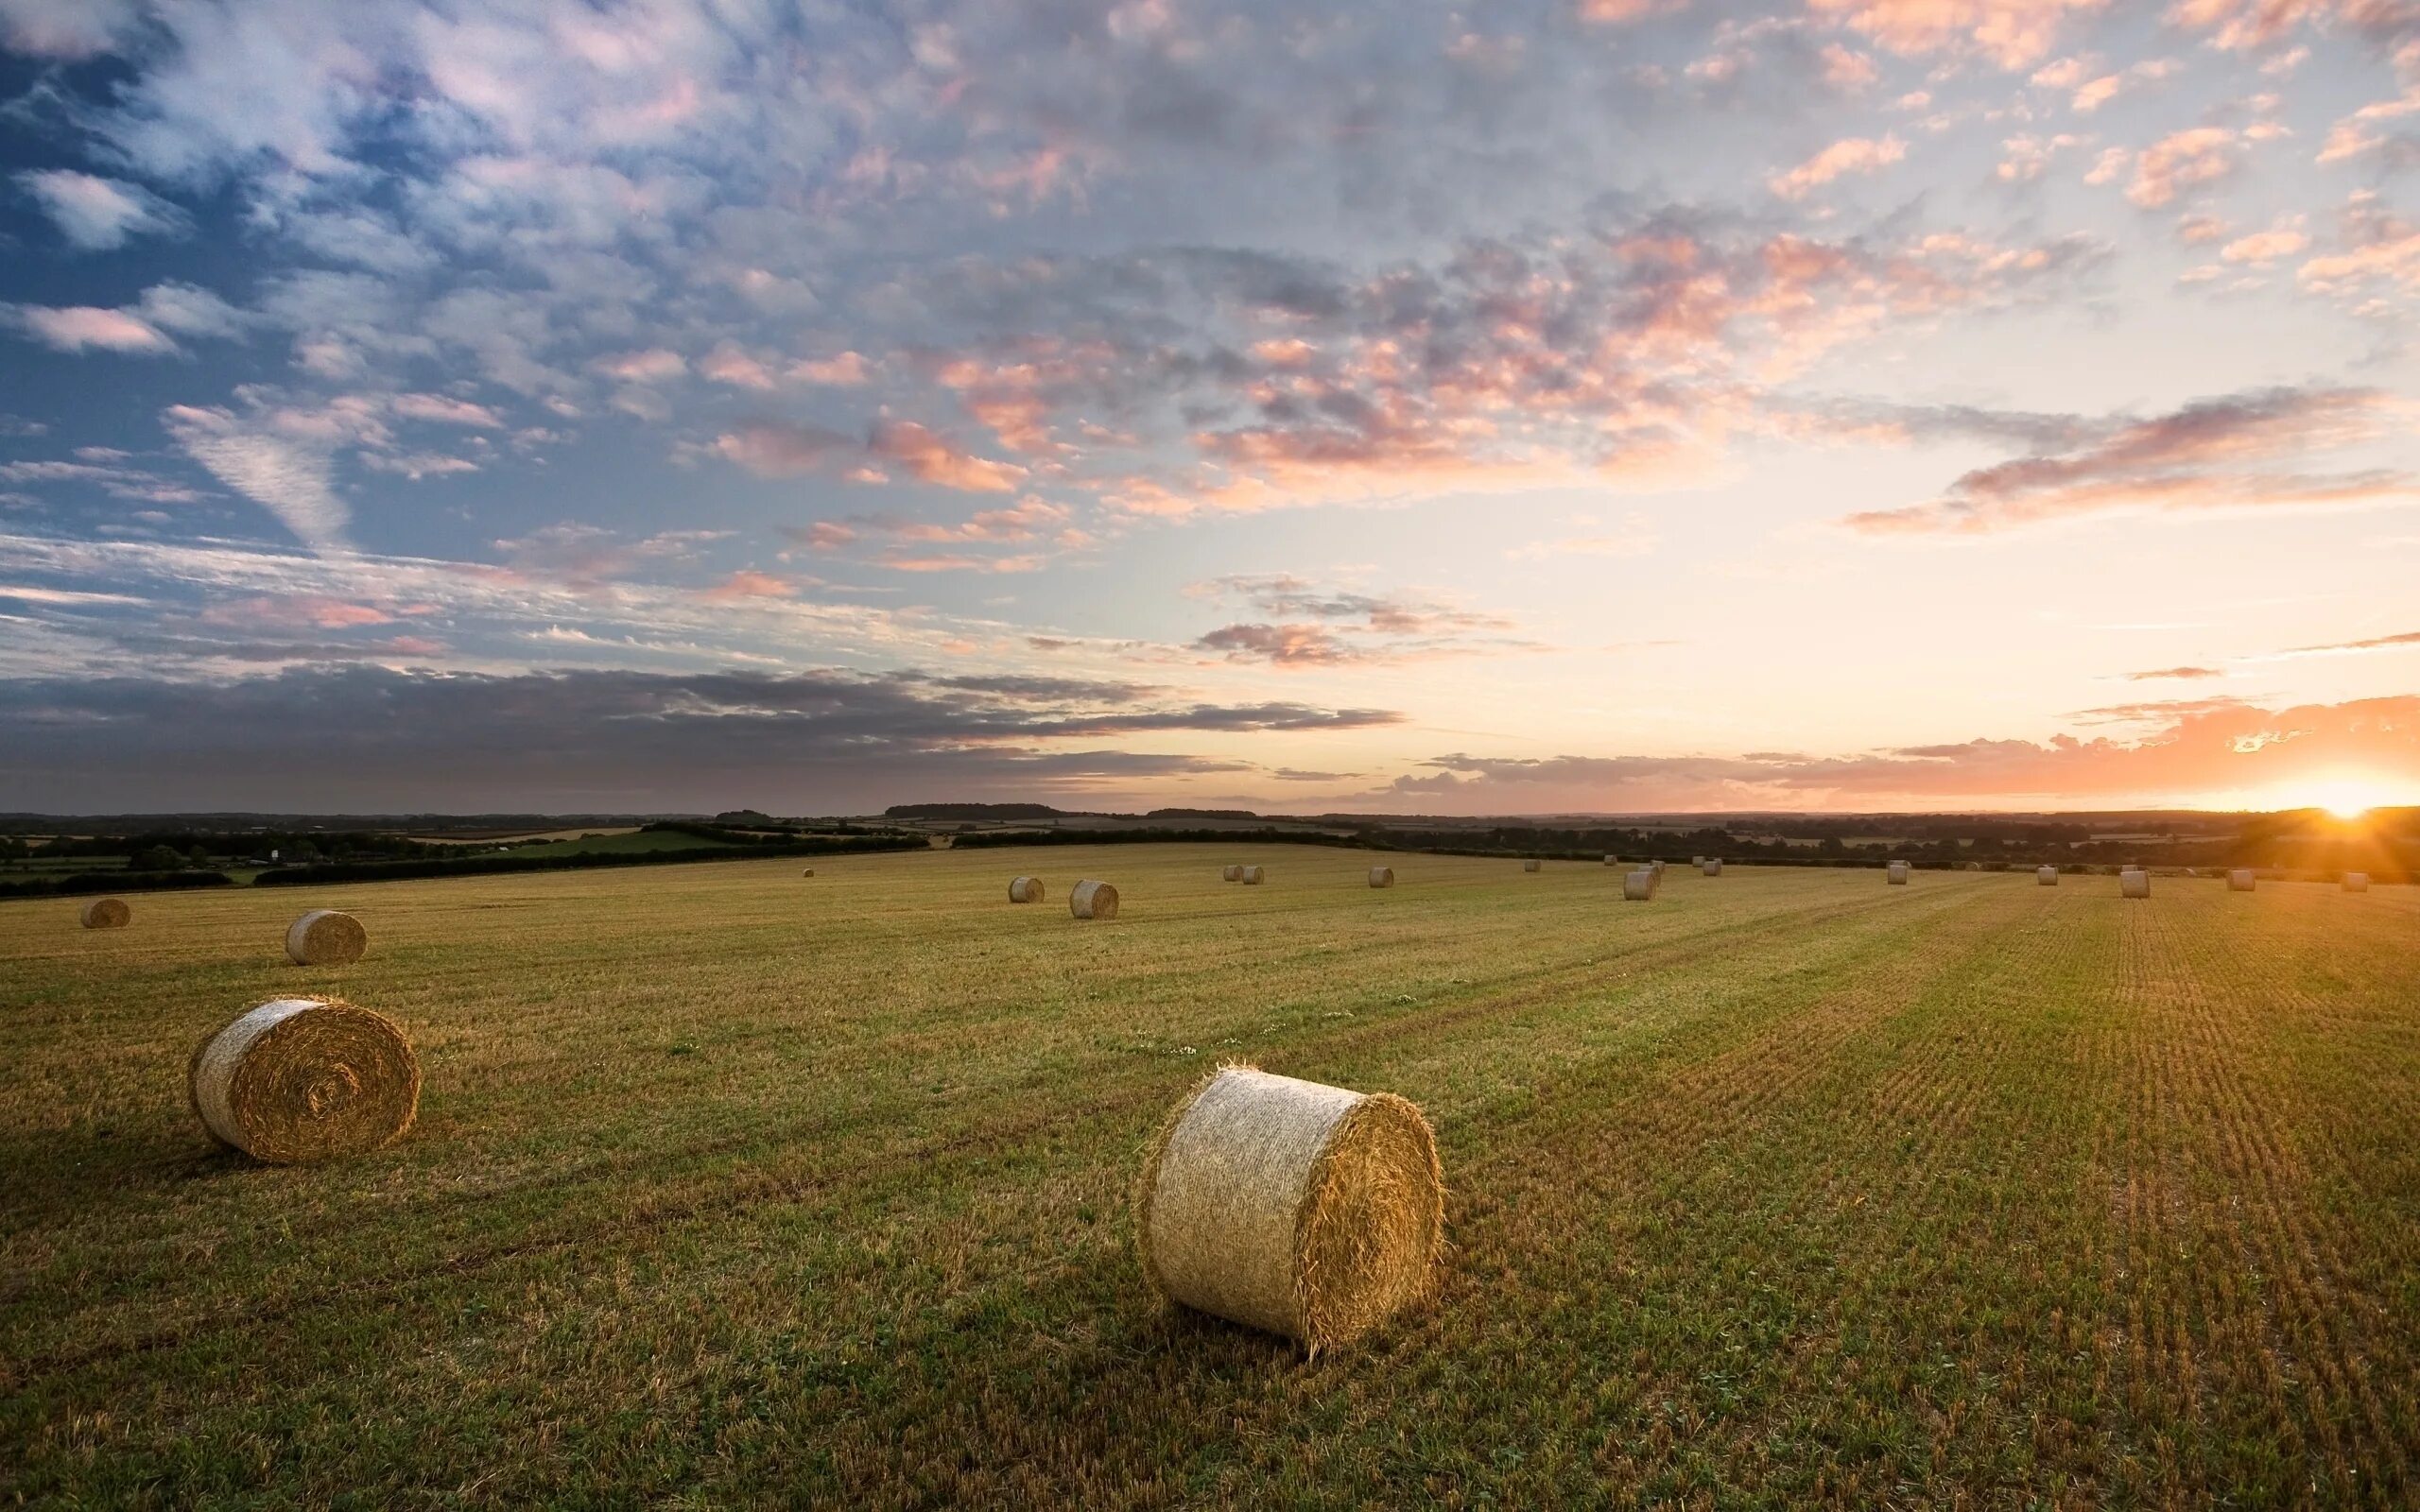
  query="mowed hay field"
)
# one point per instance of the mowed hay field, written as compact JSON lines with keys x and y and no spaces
{"x":735,"y":1188}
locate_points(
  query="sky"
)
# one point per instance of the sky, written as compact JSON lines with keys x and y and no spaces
{"x":1546,"y":406}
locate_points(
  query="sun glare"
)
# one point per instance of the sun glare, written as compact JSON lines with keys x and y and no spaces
{"x":2346,"y":798}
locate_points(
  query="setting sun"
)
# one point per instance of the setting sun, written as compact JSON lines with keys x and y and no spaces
{"x":2346,"y":798}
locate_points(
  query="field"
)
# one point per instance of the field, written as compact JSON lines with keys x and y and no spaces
{"x":735,"y":1188}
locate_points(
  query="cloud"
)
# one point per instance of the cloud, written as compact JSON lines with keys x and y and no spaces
{"x":780,"y":449}
{"x":141,"y":328}
{"x":84,"y":328}
{"x":2191,"y":159}
{"x":280,"y":461}
{"x":2265,"y":246}
{"x":1857,"y":154}
{"x":67,"y":29}
{"x":2201,"y":746}
{"x":1283,"y":646}
{"x":2164,"y":673}
{"x":747,"y":584}
{"x":2243,"y":26}
{"x":1332,"y":627}
{"x":2211,"y":453}
{"x":775,"y":450}
{"x":2012,"y":33}
{"x":97,"y":215}
{"x":2374,"y":643}
{"x":364,"y":736}
{"x":929,"y":457}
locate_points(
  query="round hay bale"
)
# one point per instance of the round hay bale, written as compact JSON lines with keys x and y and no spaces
{"x":1534,"y":866}
{"x":2046,"y":876}
{"x":2240,"y":880}
{"x":106,"y":913}
{"x":1232,"y":874}
{"x":2134,"y":882}
{"x":2357,"y":881}
{"x":303,"y":1079}
{"x":1092,"y":899}
{"x":1025,"y":890}
{"x":1896,"y":873}
{"x":1638,"y":886}
{"x":1697,"y":860}
{"x":808,"y":872}
{"x":1613,"y":861}
{"x":1712,"y":865}
{"x":1382,"y":876}
{"x":1307,"y":1210}
{"x":1250,"y":877}
{"x":323,"y":937}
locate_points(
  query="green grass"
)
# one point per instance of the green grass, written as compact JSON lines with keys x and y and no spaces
{"x":732,"y":1189}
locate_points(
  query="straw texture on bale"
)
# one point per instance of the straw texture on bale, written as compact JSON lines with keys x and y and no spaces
{"x":1896,"y":873}
{"x":1092,"y":899}
{"x":1712,"y":865}
{"x":2240,"y":880}
{"x":1382,"y":876}
{"x":1025,"y":890}
{"x":1533,"y":866}
{"x":106,"y":913}
{"x":2357,"y":881}
{"x":2133,"y":883}
{"x":1307,"y":1210}
{"x":1638,"y":886}
{"x":1251,"y":876}
{"x":323,"y":937}
{"x":303,"y":1079}
{"x":2046,"y":876}
{"x":1232,"y":874}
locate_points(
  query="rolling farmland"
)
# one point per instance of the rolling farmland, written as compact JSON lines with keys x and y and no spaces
{"x":732,"y":1188}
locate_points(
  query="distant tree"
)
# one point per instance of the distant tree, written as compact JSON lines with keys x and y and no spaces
{"x":157,"y":858}
{"x":301,"y":852}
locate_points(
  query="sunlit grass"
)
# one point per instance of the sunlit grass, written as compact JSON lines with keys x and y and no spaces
{"x":735,"y":1188}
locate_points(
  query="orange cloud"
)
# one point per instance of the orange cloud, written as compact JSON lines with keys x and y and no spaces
{"x":747,"y":584}
{"x":1854,"y":154}
{"x":2012,"y":33}
{"x":929,"y":457}
{"x":2182,"y":161}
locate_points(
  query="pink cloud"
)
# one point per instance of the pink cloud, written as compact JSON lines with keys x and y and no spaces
{"x":651,"y":366}
{"x":295,"y":611}
{"x":2182,"y":161}
{"x":82,"y":327}
{"x":440,"y":409}
{"x":1857,"y":154}
{"x":728,"y":363}
{"x":2012,"y":33}
{"x":747,"y":584}
{"x":847,"y":370}
{"x":932,"y":459}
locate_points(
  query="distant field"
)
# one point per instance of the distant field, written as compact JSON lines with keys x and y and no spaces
{"x":731,"y":1188}
{"x":500,"y":836}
